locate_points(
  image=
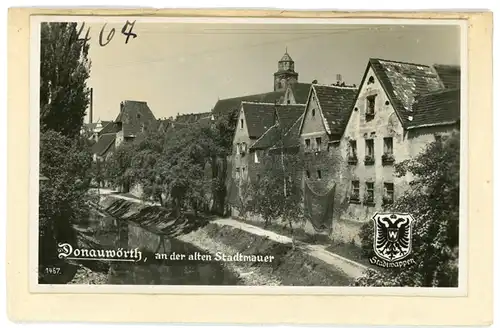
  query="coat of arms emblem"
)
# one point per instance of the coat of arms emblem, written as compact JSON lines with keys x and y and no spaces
{"x":392,"y":237}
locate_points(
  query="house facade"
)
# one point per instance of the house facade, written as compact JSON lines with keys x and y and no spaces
{"x":326,"y":113}
{"x":134,"y":118}
{"x":400,"y":108}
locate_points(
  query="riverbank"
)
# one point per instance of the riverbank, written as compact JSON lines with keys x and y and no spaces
{"x":302,"y":265}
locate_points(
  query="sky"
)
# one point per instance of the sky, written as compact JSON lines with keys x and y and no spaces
{"x":180,"y":68}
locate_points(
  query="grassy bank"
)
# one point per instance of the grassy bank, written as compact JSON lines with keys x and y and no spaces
{"x":291,"y":266}
{"x":347,"y":250}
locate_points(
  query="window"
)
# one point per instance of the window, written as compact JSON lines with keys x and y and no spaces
{"x":237,"y":173}
{"x":288,"y":101}
{"x":308,"y":174}
{"x":319,"y":174}
{"x":388,"y":193}
{"x":138,"y":115}
{"x":313,"y":112}
{"x":354,"y":198}
{"x":387,"y":156}
{"x":370,"y":105}
{"x":256,"y":157}
{"x":241,"y":124}
{"x":258,"y":177}
{"x":237,"y":149}
{"x":308,"y":144}
{"x":371,"y":80}
{"x":353,"y":152}
{"x":243,"y":148}
{"x":243,"y":172}
{"x":388,"y":146}
{"x":369,"y":193}
{"x":369,"y":152}
{"x":438,"y":138}
{"x":318,"y":143}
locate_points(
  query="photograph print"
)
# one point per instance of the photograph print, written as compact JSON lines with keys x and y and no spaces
{"x":247,"y":152}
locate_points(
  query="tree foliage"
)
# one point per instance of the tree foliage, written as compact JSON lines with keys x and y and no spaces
{"x":64,"y":197}
{"x":168,"y":164}
{"x":276,"y":193}
{"x":433,"y":200}
{"x":64,"y":70}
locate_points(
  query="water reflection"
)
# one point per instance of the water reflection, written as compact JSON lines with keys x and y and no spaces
{"x":129,"y":235}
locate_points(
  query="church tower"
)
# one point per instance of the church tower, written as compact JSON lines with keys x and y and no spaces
{"x":286,"y":73}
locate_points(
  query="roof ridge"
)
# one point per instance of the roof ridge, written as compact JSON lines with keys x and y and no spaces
{"x":337,"y":86}
{"x":398,"y":62}
{"x":256,"y":102}
{"x":249,"y":95}
{"x":137,"y":101}
{"x":447,"y":65}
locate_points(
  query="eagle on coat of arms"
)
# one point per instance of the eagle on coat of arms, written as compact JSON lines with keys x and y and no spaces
{"x":392,"y":238}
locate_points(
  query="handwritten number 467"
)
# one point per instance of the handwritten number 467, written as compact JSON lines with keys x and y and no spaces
{"x":126,"y":30}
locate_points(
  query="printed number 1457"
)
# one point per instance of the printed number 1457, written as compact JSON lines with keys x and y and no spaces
{"x":53,"y":270}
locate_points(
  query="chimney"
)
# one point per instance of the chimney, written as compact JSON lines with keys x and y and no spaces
{"x":121,"y":107}
{"x":91,"y":105}
{"x":339,"y":77}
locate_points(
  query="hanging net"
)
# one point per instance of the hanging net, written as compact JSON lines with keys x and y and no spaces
{"x":318,"y":208}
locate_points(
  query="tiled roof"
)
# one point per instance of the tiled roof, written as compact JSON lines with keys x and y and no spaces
{"x":224,"y":106}
{"x":285,"y":116}
{"x":441,"y":107}
{"x":336,"y":104}
{"x":291,"y":138}
{"x":259,"y":117}
{"x":133,"y":115}
{"x":300,"y":92}
{"x":103,"y":144}
{"x":110,"y":127}
{"x":449,"y":75}
{"x":403,"y":82}
{"x":268,"y":139}
{"x":192,"y":118}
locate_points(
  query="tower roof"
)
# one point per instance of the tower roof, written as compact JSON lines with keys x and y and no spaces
{"x":286,"y":57}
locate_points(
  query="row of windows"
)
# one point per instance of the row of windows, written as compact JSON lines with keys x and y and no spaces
{"x":317,"y":144}
{"x":369,"y":196}
{"x":387,"y":156}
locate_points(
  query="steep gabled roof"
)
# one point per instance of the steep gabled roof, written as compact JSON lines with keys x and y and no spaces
{"x":449,"y":75}
{"x":335,"y":103}
{"x":223,"y":106}
{"x":103,"y":144}
{"x":288,"y":114}
{"x":292,"y":136}
{"x":300,"y":92}
{"x":441,"y":107}
{"x":259,"y":117}
{"x":133,"y":116}
{"x":268,"y":139}
{"x":403,"y":82}
{"x":291,"y":139}
{"x":110,"y":127}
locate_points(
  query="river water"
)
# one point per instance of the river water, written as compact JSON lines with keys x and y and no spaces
{"x":110,"y":233}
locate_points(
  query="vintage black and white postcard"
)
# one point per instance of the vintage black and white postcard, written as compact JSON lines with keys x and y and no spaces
{"x":239,"y":156}
{"x":250,"y":153}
